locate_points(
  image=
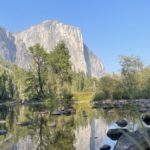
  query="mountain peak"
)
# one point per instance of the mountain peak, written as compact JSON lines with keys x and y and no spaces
{"x":49,"y":33}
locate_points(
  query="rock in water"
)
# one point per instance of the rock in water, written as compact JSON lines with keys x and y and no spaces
{"x":25,"y":123}
{"x":115,"y":134}
{"x":56,"y":112}
{"x":14,"y":46}
{"x":3,"y":132}
{"x":121,"y":123}
{"x":146,"y":119}
{"x":105,"y":147}
{"x":125,"y":143}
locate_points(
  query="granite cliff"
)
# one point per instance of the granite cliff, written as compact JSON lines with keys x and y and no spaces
{"x":14,"y":46}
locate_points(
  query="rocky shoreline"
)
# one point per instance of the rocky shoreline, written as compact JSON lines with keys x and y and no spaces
{"x":142,"y":105}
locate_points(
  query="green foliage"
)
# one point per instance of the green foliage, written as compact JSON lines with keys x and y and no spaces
{"x":59,"y":62}
{"x":99,"y":96}
{"x":133,"y":83}
{"x":40,"y":61}
{"x":130,"y":64}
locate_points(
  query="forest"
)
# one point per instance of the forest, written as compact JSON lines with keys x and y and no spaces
{"x":51,"y":78}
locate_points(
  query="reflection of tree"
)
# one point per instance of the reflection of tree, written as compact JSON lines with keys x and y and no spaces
{"x":55,"y":138}
{"x":41,"y":143}
{"x":62,"y":138}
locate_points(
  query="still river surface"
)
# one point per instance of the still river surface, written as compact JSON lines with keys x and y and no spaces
{"x":84,"y":130}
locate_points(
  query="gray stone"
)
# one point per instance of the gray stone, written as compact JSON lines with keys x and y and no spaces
{"x":146,"y":119}
{"x":115,"y":134}
{"x":121,"y":123}
{"x":105,"y":147}
{"x":56,"y":112}
{"x":3,"y":132}
{"x":125,"y":143}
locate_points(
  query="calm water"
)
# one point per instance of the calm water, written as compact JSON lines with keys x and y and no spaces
{"x":85,"y":130}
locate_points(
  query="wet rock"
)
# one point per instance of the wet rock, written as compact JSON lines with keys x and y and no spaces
{"x":146,"y":119}
{"x":3,"y":132}
{"x":142,"y":110}
{"x":94,"y":107}
{"x":115,"y":134}
{"x":107,"y":106}
{"x":125,"y":143}
{"x":121,"y":123}
{"x":105,"y":147}
{"x":66,"y":112}
{"x":56,"y":112}
{"x":25,"y":123}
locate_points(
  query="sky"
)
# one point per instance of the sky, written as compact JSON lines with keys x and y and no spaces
{"x":110,"y":28}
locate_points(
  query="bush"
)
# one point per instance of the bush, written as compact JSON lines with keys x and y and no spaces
{"x":99,"y":96}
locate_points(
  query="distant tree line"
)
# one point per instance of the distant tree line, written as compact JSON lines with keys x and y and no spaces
{"x":132,"y":83}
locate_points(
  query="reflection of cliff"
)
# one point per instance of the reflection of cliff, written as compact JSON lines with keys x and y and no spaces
{"x":90,"y":137}
{"x":23,"y":144}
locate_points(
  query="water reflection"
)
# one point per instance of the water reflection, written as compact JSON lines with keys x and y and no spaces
{"x":85,"y":130}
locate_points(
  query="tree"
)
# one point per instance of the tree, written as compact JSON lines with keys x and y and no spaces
{"x":60,"y":66}
{"x":39,"y":57}
{"x":59,"y":61}
{"x":130,"y":64}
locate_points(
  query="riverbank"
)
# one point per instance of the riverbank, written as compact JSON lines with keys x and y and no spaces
{"x":143,"y":105}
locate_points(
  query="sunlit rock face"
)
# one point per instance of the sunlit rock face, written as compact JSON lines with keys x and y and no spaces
{"x":7,"y":46}
{"x":48,"y":34}
{"x":89,"y":137}
{"x":23,"y":144}
{"x":14,"y":46}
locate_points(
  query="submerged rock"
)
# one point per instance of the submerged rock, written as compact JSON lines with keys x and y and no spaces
{"x":126,"y":143}
{"x":146,"y":119}
{"x":115,"y":134}
{"x":25,"y":123}
{"x":3,"y":132}
{"x":105,"y":147}
{"x":56,"y":112}
{"x":121,"y":123}
{"x":66,"y":112}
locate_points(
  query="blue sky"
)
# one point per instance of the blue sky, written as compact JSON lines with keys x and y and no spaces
{"x":110,"y":27}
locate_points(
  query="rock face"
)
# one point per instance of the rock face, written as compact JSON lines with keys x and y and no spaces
{"x":48,"y":34}
{"x":137,"y":138}
{"x":7,"y":45}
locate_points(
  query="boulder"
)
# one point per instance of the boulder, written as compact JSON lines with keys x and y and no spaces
{"x":126,"y":143}
{"x":3,"y":132}
{"x":146,"y":119}
{"x":25,"y":123}
{"x":121,"y":123}
{"x":105,"y":147}
{"x":66,"y":112}
{"x":115,"y":134}
{"x":56,"y":112}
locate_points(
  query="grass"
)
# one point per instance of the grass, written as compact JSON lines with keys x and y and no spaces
{"x":83,"y":96}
